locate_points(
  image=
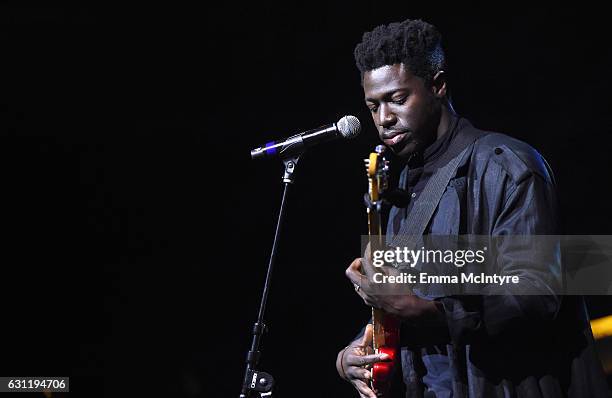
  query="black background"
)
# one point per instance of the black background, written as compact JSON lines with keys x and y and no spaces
{"x":136,"y":227}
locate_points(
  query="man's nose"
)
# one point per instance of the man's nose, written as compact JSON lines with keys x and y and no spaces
{"x":386,"y":118}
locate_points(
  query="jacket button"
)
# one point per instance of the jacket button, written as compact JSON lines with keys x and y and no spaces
{"x":498,"y":151}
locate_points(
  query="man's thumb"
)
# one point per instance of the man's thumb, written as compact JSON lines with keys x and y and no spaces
{"x":367,"y":336}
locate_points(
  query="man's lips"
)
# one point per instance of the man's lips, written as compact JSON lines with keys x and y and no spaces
{"x":394,"y":138}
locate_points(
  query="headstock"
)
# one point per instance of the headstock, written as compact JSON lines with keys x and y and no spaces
{"x":378,"y":173}
{"x":378,"y":181}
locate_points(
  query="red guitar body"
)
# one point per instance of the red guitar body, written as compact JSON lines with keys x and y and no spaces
{"x":382,"y":372}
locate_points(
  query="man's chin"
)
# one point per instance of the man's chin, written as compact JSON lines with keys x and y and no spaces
{"x":405,"y":151}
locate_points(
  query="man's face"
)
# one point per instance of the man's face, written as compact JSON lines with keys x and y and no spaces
{"x":405,"y":110}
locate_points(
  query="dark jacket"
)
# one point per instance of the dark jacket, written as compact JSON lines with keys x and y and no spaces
{"x":502,"y":345}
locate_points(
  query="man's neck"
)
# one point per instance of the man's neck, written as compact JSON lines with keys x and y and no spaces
{"x":439,"y":144}
{"x":447,"y":112}
{"x":447,"y":115}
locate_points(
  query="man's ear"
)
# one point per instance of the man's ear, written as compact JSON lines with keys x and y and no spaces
{"x":438,"y":85}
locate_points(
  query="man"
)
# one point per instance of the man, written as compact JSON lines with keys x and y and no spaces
{"x":501,"y":345}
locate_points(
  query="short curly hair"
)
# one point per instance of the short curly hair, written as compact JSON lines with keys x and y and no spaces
{"x":415,"y":43}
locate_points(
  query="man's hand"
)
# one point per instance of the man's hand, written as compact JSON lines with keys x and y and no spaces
{"x":393,"y":298}
{"x":353,"y":362}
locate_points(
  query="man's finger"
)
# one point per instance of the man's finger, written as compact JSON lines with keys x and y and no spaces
{"x":353,"y":272}
{"x":366,"y":264}
{"x":368,"y":335}
{"x":363,"y":389}
{"x":355,"y":372}
{"x":360,"y":282}
{"x":363,"y":360}
{"x":354,"y":269}
{"x":369,"y":301}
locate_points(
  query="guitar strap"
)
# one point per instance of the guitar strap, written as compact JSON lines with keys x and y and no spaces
{"x":427,"y":203}
{"x":414,"y":226}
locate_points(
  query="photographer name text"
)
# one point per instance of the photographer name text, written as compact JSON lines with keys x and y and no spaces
{"x":423,"y":277}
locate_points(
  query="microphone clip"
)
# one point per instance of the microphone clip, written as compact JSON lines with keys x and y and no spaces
{"x":290,"y":166}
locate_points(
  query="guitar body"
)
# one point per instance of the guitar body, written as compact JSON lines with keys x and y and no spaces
{"x":386,"y":338}
{"x":385,"y":327}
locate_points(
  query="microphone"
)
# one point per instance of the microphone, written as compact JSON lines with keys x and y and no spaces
{"x":347,"y":127}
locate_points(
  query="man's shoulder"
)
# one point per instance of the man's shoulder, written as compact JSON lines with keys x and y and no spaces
{"x":519,"y":159}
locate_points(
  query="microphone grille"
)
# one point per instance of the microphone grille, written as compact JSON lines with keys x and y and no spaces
{"x":349,"y":126}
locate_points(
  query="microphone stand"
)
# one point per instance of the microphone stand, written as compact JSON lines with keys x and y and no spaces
{"x":255,"y":380}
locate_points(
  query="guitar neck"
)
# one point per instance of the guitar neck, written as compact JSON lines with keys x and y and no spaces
{"x":374,"y":219}
{"x":376,"y":166}
{"x":375,"y":237}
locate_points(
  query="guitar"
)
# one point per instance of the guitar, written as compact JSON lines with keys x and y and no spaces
{"x":385,"y":327}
